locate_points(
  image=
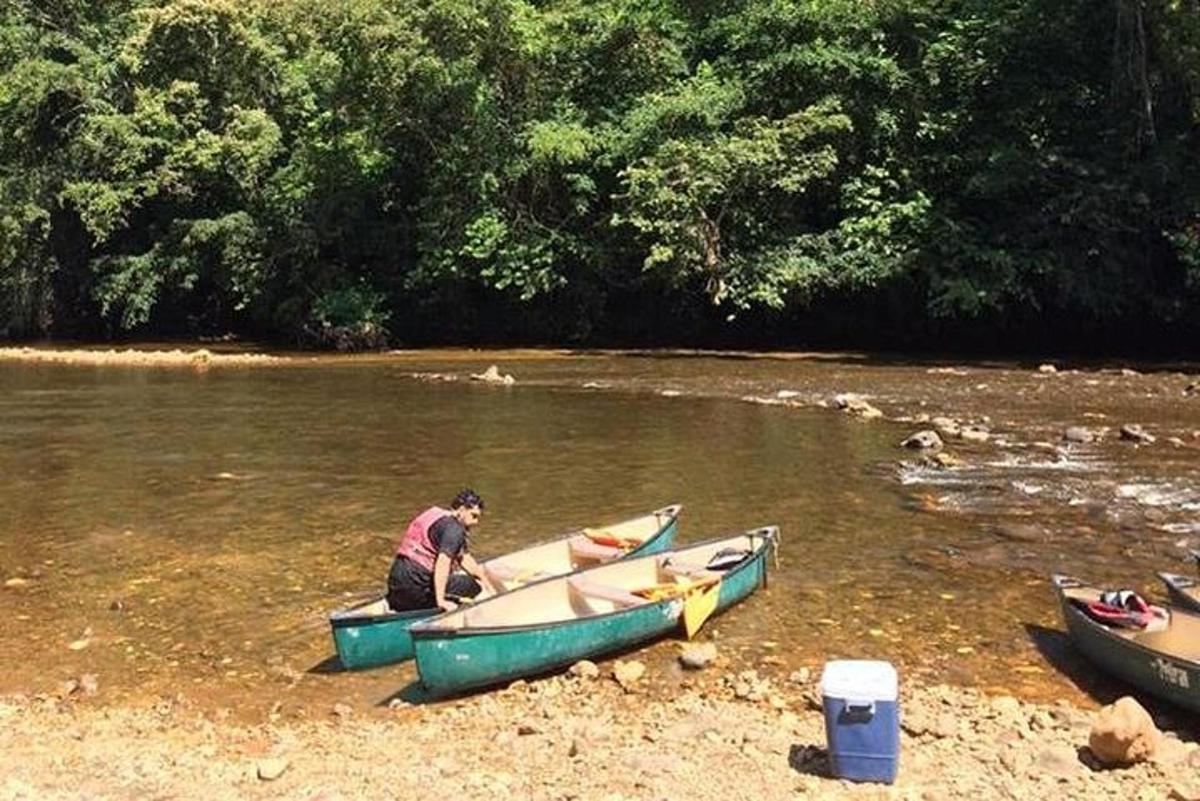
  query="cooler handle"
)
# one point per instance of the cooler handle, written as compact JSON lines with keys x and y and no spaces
{"x":860,"y":706}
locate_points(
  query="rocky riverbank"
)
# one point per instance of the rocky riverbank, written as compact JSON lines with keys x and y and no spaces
{"x":200,"y":358}
{"x":593,"y":733}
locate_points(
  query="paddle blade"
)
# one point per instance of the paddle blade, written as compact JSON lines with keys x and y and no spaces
{"x":698,"y":607}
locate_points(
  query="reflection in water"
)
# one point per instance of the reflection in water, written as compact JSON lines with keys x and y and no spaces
{"x":186,"y":531}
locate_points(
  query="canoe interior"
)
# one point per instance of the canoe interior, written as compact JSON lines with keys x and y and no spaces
{"x":555,"y":558}
{"x":599,"y":591}
{"x":1178,"y":639}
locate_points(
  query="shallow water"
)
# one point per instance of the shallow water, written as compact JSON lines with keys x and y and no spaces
{"x":186,"y":531}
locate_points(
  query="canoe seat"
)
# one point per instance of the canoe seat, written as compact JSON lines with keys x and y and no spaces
{"x":583,"y":548}
{"x":618,"y":596}
{"x":675,"y":567}
{"x":507,"y":574}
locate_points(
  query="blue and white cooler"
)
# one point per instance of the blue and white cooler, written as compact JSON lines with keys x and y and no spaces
{"x":862,"y":719}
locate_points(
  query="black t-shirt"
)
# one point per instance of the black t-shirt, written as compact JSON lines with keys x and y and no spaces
{"x":448,"y":536}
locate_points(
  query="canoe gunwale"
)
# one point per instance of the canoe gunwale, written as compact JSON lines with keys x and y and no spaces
{"x":426,"y":630}
{"x":1178,"y":582}
{"x":345,"y":617}
{"x":1180,"y":590}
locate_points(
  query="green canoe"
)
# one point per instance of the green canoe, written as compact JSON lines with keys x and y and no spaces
{"x":1184,"y":591}
{"x":556,"y":622}
{"x":1160,"y":658}
{"x":370,"y":634}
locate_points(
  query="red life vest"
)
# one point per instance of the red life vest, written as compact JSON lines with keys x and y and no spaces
{"x":417,"y":545}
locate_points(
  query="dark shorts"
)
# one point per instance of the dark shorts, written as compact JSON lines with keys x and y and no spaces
{"x":410,"y":587}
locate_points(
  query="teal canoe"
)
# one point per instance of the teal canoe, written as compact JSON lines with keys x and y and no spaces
{"x":1160,"y":658}
{"x":370,"y":634}
{"x":554,"y":623}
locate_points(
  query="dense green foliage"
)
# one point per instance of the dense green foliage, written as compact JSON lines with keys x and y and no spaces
{"x":336,"y":173}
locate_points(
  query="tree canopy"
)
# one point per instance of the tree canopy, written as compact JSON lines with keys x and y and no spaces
{"x":345,"y":173}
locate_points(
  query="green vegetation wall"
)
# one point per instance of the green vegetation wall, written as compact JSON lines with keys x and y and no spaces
{"x":838,"y":172}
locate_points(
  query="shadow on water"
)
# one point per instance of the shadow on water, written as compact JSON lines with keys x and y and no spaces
{"x":1062,"y":655}
{"x":917,"y":359}
{"x":1058,"y":650}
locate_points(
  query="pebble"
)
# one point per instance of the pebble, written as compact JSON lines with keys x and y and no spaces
{"x":698,"y":656}
{"x":271,"y":769}
{"x":15,"y":582}
{"x":628,"y":673}
{"x":1057,"y":761}
{"x":800,"y":676}
{"x":585,"y":669}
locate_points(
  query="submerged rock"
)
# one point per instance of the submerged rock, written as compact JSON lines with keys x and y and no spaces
{"x":974,"y":434}
{"x":856,"y":405}
{"x":1079,"y":434}
{"x":1123,"y":733}
{"x":946,"y":426}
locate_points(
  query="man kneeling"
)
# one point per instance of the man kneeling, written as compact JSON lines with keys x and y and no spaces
{"x":426,"y":572}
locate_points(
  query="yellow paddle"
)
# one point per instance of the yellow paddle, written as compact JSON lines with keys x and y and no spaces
{"x":698,"y":606}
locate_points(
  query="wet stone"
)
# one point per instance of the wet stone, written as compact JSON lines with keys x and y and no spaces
{"x":923,"y":440}
{"x":1131,"y":432}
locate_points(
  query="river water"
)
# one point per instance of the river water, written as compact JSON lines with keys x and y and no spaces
{"x":183,"y":532}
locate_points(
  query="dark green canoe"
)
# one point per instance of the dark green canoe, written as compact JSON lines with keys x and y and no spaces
{"x":556,"y":622}
{"x":1183,"y":591}
{"x":1160,"y":659}
{"x":370,"y":634}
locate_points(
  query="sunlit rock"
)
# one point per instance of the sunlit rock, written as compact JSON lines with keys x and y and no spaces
{"x":1123,"y":733}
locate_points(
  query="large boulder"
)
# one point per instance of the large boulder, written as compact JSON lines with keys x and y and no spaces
{"x":1123,"y":733}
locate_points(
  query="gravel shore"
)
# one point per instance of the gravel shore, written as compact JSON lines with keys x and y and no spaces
{"x":721,"y":736}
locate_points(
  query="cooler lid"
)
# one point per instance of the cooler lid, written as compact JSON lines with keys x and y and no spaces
{"x":861,"y":679}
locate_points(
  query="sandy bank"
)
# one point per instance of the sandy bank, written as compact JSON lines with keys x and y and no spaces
{"x":564,"y":738}
{"x":201,"y":358}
